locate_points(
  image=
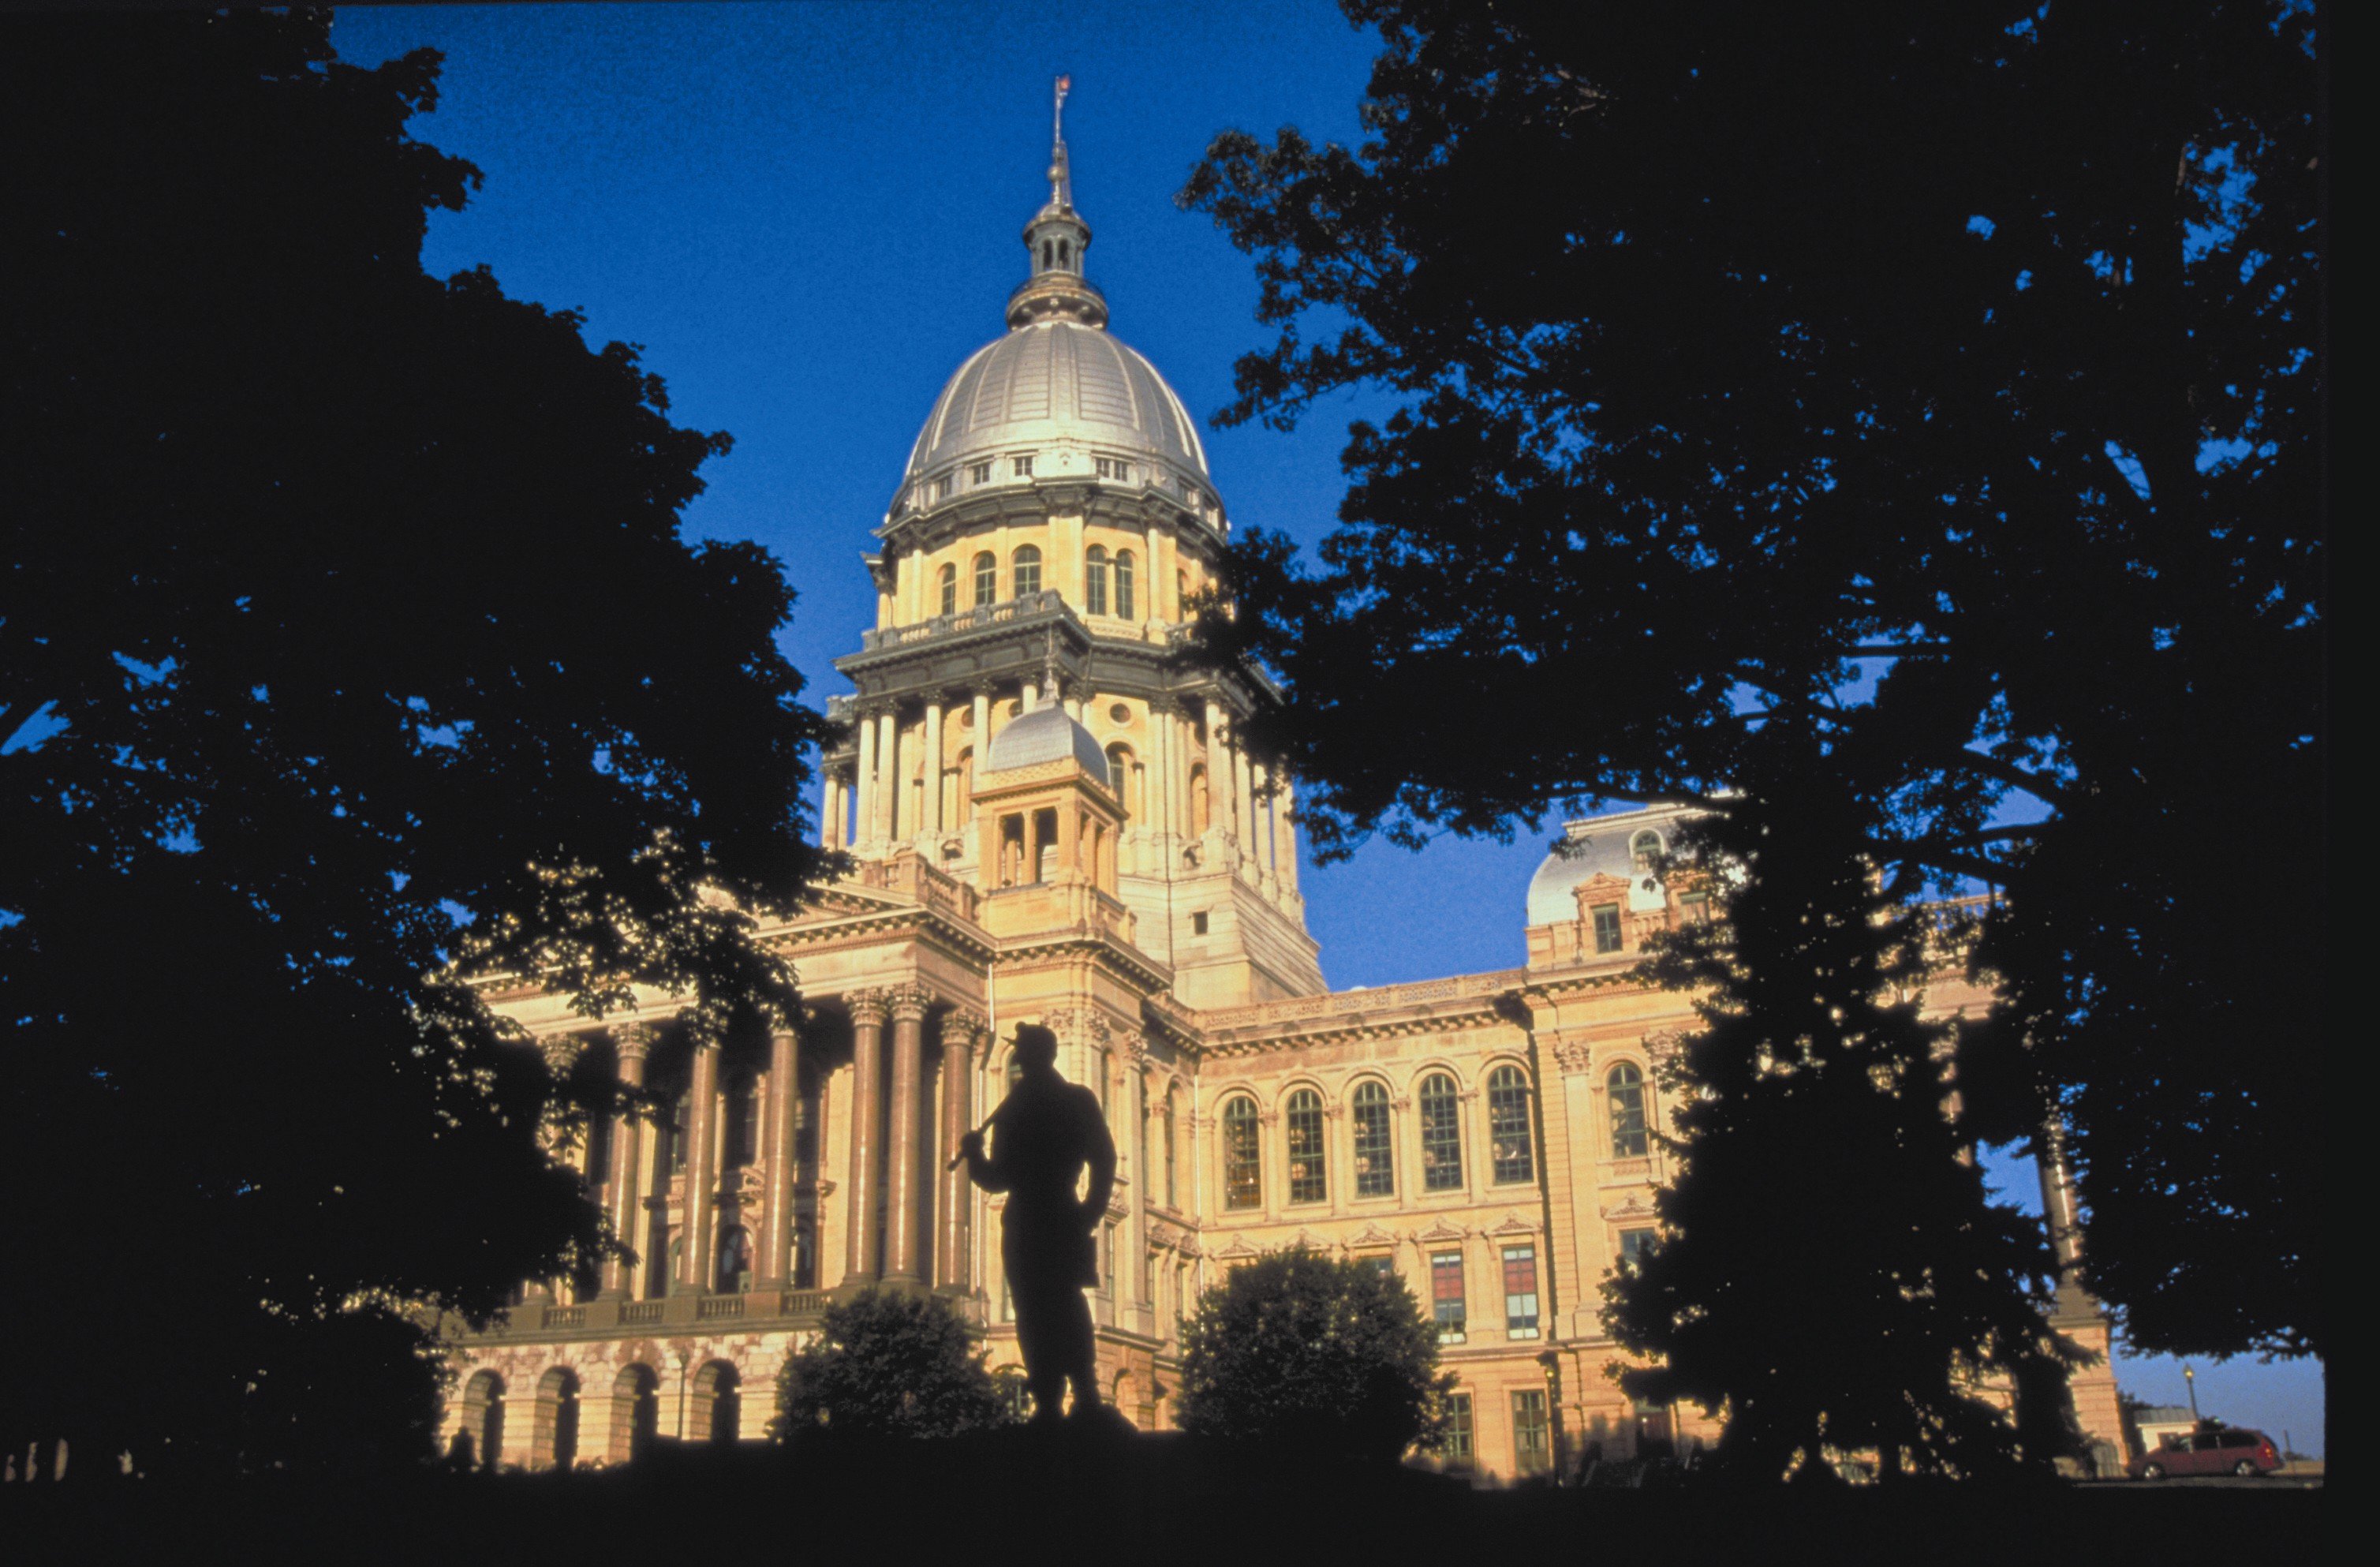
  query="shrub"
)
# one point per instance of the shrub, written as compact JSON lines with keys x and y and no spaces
{"x":1300,"y":1351}
{"x":889,"y":1364}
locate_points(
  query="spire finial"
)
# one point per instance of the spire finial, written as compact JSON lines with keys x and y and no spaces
{"x":1062,"y":191}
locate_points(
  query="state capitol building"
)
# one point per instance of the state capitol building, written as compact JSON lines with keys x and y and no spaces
{"x":1048,"y":821}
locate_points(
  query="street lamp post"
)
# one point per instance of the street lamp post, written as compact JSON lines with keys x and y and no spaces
{"x":2190,"y":1380}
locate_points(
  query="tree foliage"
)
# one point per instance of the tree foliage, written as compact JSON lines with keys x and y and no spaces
{"x":1950,"y":376}
{"x":350,"y":648}
{"x":1314,"y":1355}
{"x":1831,"y":1272}
{"x":888,"y":1362}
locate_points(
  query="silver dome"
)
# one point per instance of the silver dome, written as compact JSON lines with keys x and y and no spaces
{"x":1045,"y":734}
{"x":1052,"y":383}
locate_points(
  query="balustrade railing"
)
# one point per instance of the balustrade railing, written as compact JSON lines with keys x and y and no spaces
{"x":1045,"y":604}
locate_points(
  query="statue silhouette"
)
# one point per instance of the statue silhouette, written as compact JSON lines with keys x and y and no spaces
{"x":1043,"y":1134}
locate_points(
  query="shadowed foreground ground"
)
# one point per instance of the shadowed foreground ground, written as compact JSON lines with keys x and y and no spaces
{"x":1074,"y":1500}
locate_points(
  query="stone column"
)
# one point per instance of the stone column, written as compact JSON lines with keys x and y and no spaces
{"x":905,"y":1184}
{"x":826,"y":808}
{"x":701,"y":1171}
{"x":1284,"y":826}
{"x":864,"y":830}
{"x":952,"y":1251}
{"x":982,"y":727}
{"x":633,"y":1043}
{"x":2060,"y":1212}
{"x":1219,"y":765}
{"x":785,"y":1100}
{"x":933,"y":822}
{"x":889,"y":778}
{"x":864,"y":1258}
{"x":1260,"y":822}
{"x":1243,"y":793}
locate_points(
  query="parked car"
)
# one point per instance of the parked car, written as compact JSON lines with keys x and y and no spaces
{"x":2227,"y":1452}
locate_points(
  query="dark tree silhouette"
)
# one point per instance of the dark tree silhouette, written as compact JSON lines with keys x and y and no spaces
{"x":1831,"y":1271}
{"x":1955,"y":370}
{"x":888,"y":1362}
{"x":348,"y":647}
{"x":1315,"y":1356}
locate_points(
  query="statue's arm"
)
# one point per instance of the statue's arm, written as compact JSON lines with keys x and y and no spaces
{"x":983,"y":1170}
{"x":1102,"y":1154}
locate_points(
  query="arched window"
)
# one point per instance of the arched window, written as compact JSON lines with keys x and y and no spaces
{"x":1048,"y":254}
{"x":734,"y":1261}
{"x":1065,"y":252}
{"x":950,"y":578}
{"x":1025,"y":576}
{"x":1243,"y":1156}
{"x":1626,"y":1083}
{"x":553,"y":1441}
{"x":1509,"y":1135}
{"x":636,"y":1410}
{"x":1309,"y":1175}
{"x":1441,"y":1135}
{"x":718,"y":1403}
{"x":1127,"y":783}
{"x":986,"y":577}
{"x":1375,"y":1161}
{"x":1094,"y":580}
{"x":1644,"y":848}
{"x":741,"y":1139}
{"x":1123,"y":585}
{"x":481,"y":1438}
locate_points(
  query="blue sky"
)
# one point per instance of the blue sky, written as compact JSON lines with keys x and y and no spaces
{"x":807,"y":215}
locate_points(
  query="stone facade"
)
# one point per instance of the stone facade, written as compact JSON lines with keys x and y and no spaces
{"x":1125,"y":874}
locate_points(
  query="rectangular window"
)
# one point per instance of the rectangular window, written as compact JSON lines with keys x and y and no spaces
{"x":1199,"y":923}
{"x":1458,"y":1430}
{"x":1383,"y":1264}
{"x":1695,"y":907}
{"x":1606,"y":928}
{"x":1521,"y":1292}
{"x":1022,"y":468}
{"x":979,"y":474}
{"x":1533,"y":1448}
{"x":942,"y":488}
{"x":1113,"y":467}
{"x":1446,"y":1294}
{"x":1633,"y":1245}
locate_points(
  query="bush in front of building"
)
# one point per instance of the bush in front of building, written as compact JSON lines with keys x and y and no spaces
{"x":888,"y":1362}
{"x":1303,"y":1352}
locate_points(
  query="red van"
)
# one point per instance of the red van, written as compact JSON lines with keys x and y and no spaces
{"x":2227,"y":1452}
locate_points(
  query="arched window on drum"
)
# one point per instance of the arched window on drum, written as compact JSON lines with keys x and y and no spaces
{"x":1511,"y":1141}
{"x":949,"y":590}
{"x":1025,"y":575}
{"x":986,"y":577}
{"x":1095,"y":580}
{"x":1625,"y":1095}
{"x":1123,"y":585}
{"x":1243,"y":1155}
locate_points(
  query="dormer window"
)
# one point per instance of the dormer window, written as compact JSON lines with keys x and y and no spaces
{"x":942,"y":488}
{"x":1644,"y":848}
{"x":1112,"y":468}
{"x":979,"y":474}
{"x":1020,"y":467}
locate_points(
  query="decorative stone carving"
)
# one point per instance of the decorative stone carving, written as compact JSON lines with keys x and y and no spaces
{"x":1574,"y":1055}
{"x":1662,"y":1045}
{"x":909,"y":1002}
{"x":960,"y":1026}
{"x":867,"y":1006}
